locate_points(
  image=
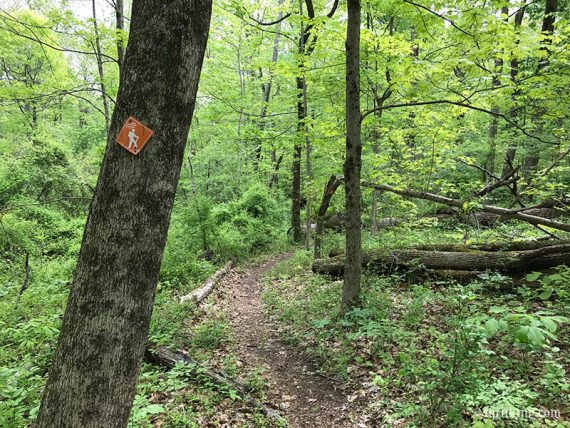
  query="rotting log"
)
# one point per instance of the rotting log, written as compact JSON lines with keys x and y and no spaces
{"x":507,"y":262}
{"x":503,"y":212}
{"x":203,"y":292}
{"x":494,"y":246}
{"x":168,"y":358}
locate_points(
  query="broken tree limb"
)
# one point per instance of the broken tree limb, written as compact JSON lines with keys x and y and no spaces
{"x":167,"y":358}
{"x":202,"y":292}
{"x":507,"y":262}
{"x":503,"y":212}
{"x":328,"y":193}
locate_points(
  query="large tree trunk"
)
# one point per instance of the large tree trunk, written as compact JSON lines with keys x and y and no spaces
{"x":95,"y":367}
{"x":470,"y":259}
{"x":353,"y":160}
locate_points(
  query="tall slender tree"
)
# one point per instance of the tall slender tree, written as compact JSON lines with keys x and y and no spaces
{"x":100,"y":69}
{"x":95,"y":368}
{"x":353,"y":158}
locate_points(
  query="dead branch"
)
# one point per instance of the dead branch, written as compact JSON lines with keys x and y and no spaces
{"x":203,"y":292}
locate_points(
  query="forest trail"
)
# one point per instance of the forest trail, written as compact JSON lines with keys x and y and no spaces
{"x":304,"y":397}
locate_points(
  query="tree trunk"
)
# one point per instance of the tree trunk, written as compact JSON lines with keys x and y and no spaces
{"x":276,"y":164}
{"x":532,"y":155}
{"x":266,"y":88}
{"x":296,"y":191}
{"x":353,"y":160}
{"x":304,"y":49}
{"x":330,"y":189}
{"x":189,"y":154}
{"x":309,"y":174}
{"x":95,"y":367}
{"x":100,"y":68}
{"x":120,"y":25}
{"x":514,"y":64}
{"x":494,"y":125}
{"x":508,"y":262}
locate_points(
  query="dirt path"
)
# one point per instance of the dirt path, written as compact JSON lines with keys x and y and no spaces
{"x":304,"y":397}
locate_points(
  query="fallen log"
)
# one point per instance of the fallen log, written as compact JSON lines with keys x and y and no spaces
{"x":506,"y":262}
{"x":202,"y":292}
{"x":503,"y":212}
{"x":168,"y":358}
{"x":494,"y":246}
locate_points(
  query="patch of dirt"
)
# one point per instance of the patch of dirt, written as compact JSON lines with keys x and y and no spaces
{"x":295,"y":388}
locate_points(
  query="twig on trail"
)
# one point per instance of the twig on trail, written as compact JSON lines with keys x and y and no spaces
{"x":167,"y":358}
{"x":203,"y":292}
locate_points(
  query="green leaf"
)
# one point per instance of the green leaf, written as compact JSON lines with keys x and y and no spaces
{"x":535,"y":336}
{"x":521,"y":334}
{"x":533,"y":276}
{"x":154,"y":409}
{"x":321,"y":323}
{"x":492,"y":326}
{"x":546,"y":294}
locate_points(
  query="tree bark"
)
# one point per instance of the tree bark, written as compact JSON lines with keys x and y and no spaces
{"x":494,"y":125}
{"x":532,"y":155}
{"x":330,"y":189}
{"x":95,"y":367}
{"x":514,"y":64}
{"x":297,"y":151}
{"x":120,"y":26}
{"x":353,"y":159}
{"x":508,"y":262}
{"x":304,"y":49}
{"x":503,"y":212}
{"x":266,"y":88}
{"x":100,"y":68}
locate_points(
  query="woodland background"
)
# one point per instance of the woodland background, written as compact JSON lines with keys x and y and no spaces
{"x":475,"y":90}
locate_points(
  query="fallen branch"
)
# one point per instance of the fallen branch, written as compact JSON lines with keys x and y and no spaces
{"x":503,"y":212}
{"x":202,"y":292}
{"x":167,"y":358}
{"x":329,"y":191}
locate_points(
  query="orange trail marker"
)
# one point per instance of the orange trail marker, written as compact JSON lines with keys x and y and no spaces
{"x":134,"y":135}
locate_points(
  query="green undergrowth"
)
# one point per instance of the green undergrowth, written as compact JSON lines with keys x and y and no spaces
{"x":203,"y":236}
{"x":186,"y":396}
{"x":438,"y":353}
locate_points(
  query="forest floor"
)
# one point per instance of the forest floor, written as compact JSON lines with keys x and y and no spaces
{"x":293,"y":384}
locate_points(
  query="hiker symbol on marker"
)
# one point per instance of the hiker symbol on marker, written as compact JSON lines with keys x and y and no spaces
{"x":133,"y":138}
